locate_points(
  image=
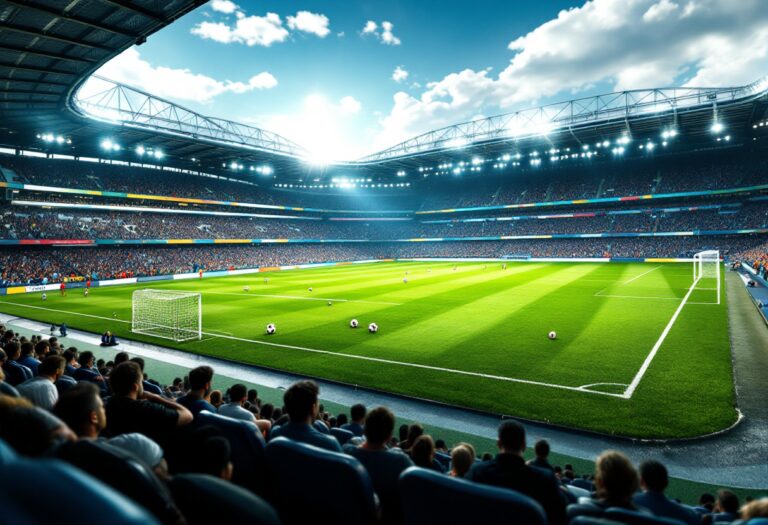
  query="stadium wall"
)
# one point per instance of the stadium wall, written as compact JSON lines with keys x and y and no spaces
{"x":12,"y":290}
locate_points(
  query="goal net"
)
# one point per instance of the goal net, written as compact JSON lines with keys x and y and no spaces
{"x":706,"y":271}
{"x":167,"y":314}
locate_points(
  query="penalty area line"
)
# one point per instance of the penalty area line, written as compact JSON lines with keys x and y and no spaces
{"x":642,"y":274}
{"x":296,"y":297}
{"x":584,"y":389}
{"x":647,"y":363}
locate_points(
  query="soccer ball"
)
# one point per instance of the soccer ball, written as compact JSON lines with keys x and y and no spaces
{"x":353,"y":323}
{"x":44,"y":297}
{"x":405,"y":281}
{"x":310,"y":288}
{"x":330,"y":303}
{"x":246,"y":288}
{"x":552,"y":335}
{"x":271,"y":329}
{"x":373,"y":328}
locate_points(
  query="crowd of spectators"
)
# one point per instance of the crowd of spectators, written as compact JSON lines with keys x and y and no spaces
{"x":102,"y":417}
{"x":36,"y":265}
{"x":35,"y":223}
{"x":756,"y":257}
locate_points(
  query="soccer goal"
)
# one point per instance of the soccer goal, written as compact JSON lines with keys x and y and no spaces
{"x":167,"y":314}
{"x":706,"y":271}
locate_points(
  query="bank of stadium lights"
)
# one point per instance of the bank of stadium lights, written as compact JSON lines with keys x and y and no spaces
{"x":401,"y":173}
{"x":618,"y":150}
{"x":50,"y":138}
{"x":669,"y":133}
{"x":110,"y":145}
{"x":727,"y":138}
{"x":717,"y":127}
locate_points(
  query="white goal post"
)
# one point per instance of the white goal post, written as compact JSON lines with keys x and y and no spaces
{"x":706,"y":265}
{"x":167,"y":314}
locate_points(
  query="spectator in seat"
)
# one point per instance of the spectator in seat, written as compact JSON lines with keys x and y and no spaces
{"x":726,"y":507}
{"x":238,"y":396}
{"x":108,"y":339}
{"x":5,"y":388}
{"x":423,"y":454}
{"x":301,"y":403}
{"x":384,"y":465}
{"x":654,"y":481}
{"x":15,"y":372}
{"x":706,"y":504}
{"x":148,"y":386}
{"x":43,"y":349}
{"x":121,"y":357}
{"x":30,"y":430}
{"x":41,"y":390}
{"x":508,"y":470}
{"x":440,"y":447}
{"x":131,"y":409}
{"x":82,"y":409}
{"x":541,"y":449}
{"x":358,"y":420}
{"x":199,"y":385}
{"x":216,"y":399}
{"x":70,"y":355}
{"x":27,"y":357}
{"x":755,"y":509}
{"x":414,"y":431}
{"x":462,"y":459}
{"x":87,"y":372}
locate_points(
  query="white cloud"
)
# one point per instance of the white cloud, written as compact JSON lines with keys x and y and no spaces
{"x":308,"y":22}
{"x":224,"y":6}
{"x":350,"y":105}
{"x":370,"y":27}
{"x":399,"y":74}
{"x":626,"y":44}
{"x":249,"y":30}
{"x":386,"y":36}
{"x":178,"y":84}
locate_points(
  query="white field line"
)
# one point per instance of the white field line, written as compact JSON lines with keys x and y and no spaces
{"x":647,"y":363}
{"x":642,"y":274}
{"x":657,"y":299}
{"x":296,"y":297}
{"x":360,"y":357}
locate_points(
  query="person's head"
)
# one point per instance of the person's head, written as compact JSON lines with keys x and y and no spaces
{"x":52,"y":366}
{"x":755,"y":509}
{"x":216,"y":398}
{"x":727,"y":501}
{"x":379,"y":424}
{"x":707,"y":500}
{"x":253,"y":396}
{"x":121,"y":357}
{"x":81,"y":408}
{"x":414,"y":432}
{"x":615,"y":477}
{"x":3,"y":357}
{"x":42,"y":348}
{"x":200,"y":379}
{"x":13,"y":350}
{"x":653,"y":476}
{"x":149,"y":452}
{"x":238,"y":393}
{"x":511,"y":437}
{"x":267,"y":409}
{"x":301,"y":401}
{"x":541,"y":449}
{"x":70,"y":354}
{"x":440,"y":444}
{"x":26,"y":348}
{"x":139,"y":361}
{"x":86,"y":359}
{"x":462,"y":459}
{"x":402,"y":432}
{"x":358,"y":413}
{"x":125,"y":380}
{"x":423,"y":451}
{"x":30,"y":430}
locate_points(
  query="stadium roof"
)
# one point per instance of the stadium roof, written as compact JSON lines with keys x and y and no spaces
{"x":49,"y":48}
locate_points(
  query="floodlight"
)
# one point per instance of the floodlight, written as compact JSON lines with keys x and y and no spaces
{"x":717,"y":127}
{"x":159,"y":154}
{"x":140,"y":150}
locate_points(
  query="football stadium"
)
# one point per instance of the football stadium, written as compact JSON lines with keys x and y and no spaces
{"x":534,"y":291}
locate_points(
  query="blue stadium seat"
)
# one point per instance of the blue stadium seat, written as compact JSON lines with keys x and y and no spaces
{"x":7,"y":454}
{"x":637,"y":518}
{"x":124,"y":473}
{"x":205,"y":500}
{"x":342,"y":435}
{"x":75,"y":497}
{"x":308,"y":483}
{"x":590,"y":520}
{"x":433,"y":498}
{"x":757,"y":521}
{"x":247,"y":446}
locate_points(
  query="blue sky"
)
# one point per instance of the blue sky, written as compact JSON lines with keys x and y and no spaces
{"x":346,"y":78}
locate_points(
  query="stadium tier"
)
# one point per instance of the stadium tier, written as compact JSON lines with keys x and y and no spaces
{"x":552,"y":316}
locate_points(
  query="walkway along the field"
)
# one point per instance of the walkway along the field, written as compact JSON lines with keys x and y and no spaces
{"x":737,"y":458}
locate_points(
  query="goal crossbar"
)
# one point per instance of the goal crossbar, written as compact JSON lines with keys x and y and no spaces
{"x":706,"y":266}
{"x":168,"y":314}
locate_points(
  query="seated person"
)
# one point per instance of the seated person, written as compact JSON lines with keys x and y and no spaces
{"x":238,"y":394}
{"x":63,"y":330}
{"x":654,"y":480}
{"x":108,"y":339}
{"x":301,"y":402}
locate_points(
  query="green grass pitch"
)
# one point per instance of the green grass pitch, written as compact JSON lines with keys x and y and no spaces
{"x":469,"y":334}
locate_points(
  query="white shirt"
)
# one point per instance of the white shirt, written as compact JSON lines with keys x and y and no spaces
{"x":41,"y":391}
{"x":235,"y":411}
